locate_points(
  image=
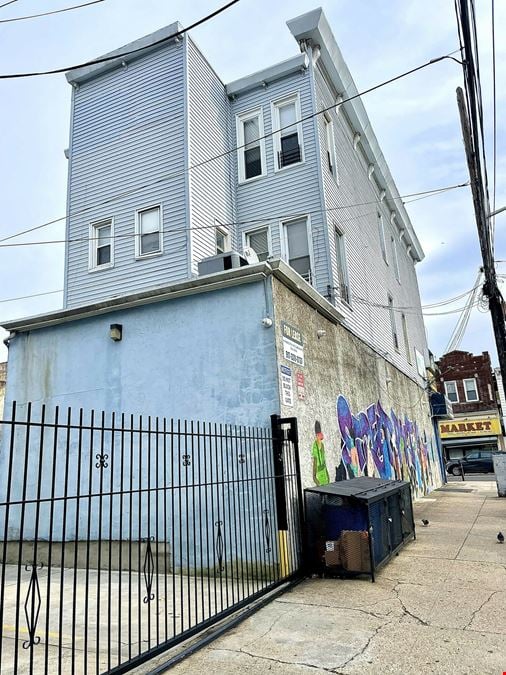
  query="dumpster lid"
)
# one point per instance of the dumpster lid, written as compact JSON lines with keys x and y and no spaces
{"x":363,"y":488}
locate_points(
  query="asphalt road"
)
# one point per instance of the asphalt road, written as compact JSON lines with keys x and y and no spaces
{"x":473,"y":477}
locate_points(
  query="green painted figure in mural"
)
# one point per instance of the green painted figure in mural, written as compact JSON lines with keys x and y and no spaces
{"x":320,"y":472}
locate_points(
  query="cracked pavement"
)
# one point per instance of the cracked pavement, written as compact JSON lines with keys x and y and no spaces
{"x":439,"y":607}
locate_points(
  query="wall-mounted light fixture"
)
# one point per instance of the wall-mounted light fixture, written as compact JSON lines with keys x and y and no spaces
{"x":267,"y":322}
{"x":116,"y":332}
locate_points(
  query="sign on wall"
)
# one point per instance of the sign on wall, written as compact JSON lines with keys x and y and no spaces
{"x":301,"y":386}
{"x":470,"y":426}
{"x":286,"y":386}
{"x":293,"y":346}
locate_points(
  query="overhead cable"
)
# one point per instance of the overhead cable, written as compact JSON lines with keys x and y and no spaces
{"x":54,"y":11}
{"x":105,"y":59}
{"x":263,"y":219}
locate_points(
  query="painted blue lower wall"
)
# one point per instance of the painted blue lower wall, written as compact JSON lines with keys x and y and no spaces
{"x":204,"y":356}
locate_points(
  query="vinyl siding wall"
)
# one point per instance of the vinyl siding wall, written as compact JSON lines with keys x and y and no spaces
{"x":295,"y":190}
{"x":212,"y":185}
{"x":370,"y":278}
{"x":127,"y":132}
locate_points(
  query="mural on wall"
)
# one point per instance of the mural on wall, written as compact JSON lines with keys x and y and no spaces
{"x":320,"y":471}
{"x":375,"y":443}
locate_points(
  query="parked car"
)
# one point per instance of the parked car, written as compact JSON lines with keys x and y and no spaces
{"x":474,"y":462}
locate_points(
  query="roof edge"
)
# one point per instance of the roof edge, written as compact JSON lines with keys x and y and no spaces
{"x":140,"y":47}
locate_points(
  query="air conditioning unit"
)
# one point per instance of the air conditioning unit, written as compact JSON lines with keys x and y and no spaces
{"x":221,"y":262}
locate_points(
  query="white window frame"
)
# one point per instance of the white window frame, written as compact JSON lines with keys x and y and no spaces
{"x":341,"y":259}
{"x":245,"y":238}
{"x":456,"y":391}
{"x":228,"y":243}
{"x":330,"y":144}
{"x":276,"y":138}
{"x":153,"y":254}
{"x":393,"y":323}
{"x":93,"y":265}
{"x":397,"y":270}
{"x":405,"y":333}
{"x":241,"y":164}
{"x":382,"y":237}
{"x":284,"y":242}
{"x":471,"y":400}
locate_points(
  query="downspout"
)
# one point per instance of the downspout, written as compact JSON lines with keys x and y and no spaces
{"x":67,"y":214}
{"x":313,"y":53}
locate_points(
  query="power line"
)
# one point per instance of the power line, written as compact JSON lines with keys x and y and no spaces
{"x":105,"y":59}
{"x":264,"y":219}
{"x":176,"y":174}
{"x":11,"y":2}
{"x":54,"y":11}
{"x":33,"y":295}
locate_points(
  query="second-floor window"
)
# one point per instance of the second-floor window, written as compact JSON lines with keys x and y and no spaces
{"x":381,"y":233}
{"x":251,"y":150}
{"x":297,"y":247}
{"x":288,"y":139}
{"x":406,"y":338}
{"x":343,"y":286}
{"x":395,"y":258}
{"x":451,"y":391}
{"x":393,"y":323}
{"x":471,"y":390}
{"x":101,"y":252}
{"x":258,"y":240}
{"x":222,"y":240}
{"x":148,"y":240}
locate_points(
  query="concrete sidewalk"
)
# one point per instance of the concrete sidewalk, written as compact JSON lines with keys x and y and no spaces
{"x":440,"y":607}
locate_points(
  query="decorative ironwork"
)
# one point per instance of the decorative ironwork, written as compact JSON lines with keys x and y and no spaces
{"x":187,"y":460}
{"x":219,"y":545}
{"x":267,"y":531}
{"x":148,"y":569}
{"x":32,"y":605}
{"x":102,"y":461}
{"x":242,"y":458}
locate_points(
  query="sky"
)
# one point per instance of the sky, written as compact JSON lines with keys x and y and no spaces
{"x":415,"y":120}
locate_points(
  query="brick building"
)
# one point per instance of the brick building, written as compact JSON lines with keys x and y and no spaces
{"x":467,"y":380}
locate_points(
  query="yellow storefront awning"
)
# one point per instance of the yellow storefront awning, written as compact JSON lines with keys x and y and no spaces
{"x":470,"y":426}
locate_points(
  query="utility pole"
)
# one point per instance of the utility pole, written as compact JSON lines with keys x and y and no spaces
{"x":490,"y":287}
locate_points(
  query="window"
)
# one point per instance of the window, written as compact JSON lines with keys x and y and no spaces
{"x":297,"y":251}
{"x":222,"y":240}
{"x":251,"y":151}
{"x":451,"y":392}
{"x":395,"y":337}
{"x":381,"y":232}
{"x":101,"y":253}
{"x":471,"y":390}
{"x":330,"y":145}
{"x":148,"y":230}
{"x":288,"y":139}
{"x":406,"y":337}
{"x":258,"y":240}
{"x":343,"y":286}
{"x":395,"y":257}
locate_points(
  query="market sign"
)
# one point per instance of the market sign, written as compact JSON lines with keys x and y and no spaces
{"x":470,"y":426}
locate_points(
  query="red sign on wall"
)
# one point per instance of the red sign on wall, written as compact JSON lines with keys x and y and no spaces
{"x":301,"y":389}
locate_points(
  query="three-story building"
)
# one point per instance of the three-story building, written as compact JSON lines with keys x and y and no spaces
{"x":168,"y":168}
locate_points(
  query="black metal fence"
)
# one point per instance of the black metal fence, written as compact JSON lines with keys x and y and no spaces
{"x":122,"y":536}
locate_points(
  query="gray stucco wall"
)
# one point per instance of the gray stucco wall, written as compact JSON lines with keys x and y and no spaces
{"x":339,"y":364}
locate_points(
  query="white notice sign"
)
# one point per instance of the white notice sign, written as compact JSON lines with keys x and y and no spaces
{"x":286,"y":386}
{"x":293,"y":352}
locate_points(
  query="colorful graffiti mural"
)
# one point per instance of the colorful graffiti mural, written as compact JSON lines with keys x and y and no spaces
{"x":383,"y":445}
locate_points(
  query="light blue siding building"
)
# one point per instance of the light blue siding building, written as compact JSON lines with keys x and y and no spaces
{"x":169,"y":167}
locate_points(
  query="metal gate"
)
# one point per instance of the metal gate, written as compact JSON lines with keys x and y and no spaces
{"x":122,"y":536}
